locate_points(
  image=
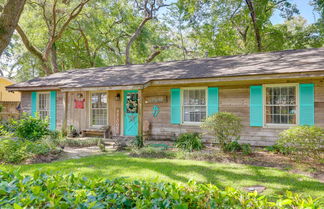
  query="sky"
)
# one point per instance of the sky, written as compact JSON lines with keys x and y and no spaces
{"x":305,"y":9}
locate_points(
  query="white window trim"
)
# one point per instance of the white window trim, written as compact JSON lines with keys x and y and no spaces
{"x":90,"y":108}
{"x":275,"y":125}
{"x":181,"y":105}
{"x":49,"y":103}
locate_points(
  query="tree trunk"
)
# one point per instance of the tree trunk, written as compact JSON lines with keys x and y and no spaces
{"x":9,"y":20}
{"x":255,"y":25}
{"x":133,"y":38}
{"x":54,"y":58}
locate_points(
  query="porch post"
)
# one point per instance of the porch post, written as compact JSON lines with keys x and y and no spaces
{"x":65,"y":110}
{"x":140,"y":112}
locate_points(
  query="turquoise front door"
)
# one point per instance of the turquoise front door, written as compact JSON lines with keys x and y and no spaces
{"x":131,"y":113}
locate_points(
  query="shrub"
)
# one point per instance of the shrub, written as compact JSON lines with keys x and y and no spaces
{"x":278,"y":149}
{"x":152,"y":152}
{"x":138,"y":142}
{"x":70,"y":191}
{"x":79,"y":142}
{"x":226,"y":127}
{"x":189,"y":142}
{"x":8,"y":127}
{"x":34,"y":148}
{"x":54,"y":139}
{"x":234,"y":146}
{"x":11,"y":151}
{"x":31,"y":128}
{"x":101,"y":145}
{"x":15,"y":151}
{"x":246,"y":149}
{"x":303,"y":140}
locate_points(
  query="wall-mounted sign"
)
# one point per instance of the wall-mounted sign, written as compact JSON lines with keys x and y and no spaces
{"x":155,"y":110}
{"x":79,"y":104}
{"x":79,"y":101}
{"x":155,"y":99}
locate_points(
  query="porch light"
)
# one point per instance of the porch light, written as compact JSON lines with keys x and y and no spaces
{"x":117,"y":98}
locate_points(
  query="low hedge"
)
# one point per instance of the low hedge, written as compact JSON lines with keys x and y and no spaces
{"x":70,"y":191}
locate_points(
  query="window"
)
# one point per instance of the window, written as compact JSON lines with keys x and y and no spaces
{"x":98,"y":109}
{"x":194,"y":105}
{"x":281,"y":104}
{"x":43,"y":105}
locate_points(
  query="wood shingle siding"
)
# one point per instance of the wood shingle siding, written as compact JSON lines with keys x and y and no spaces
{"x":235,"y":99}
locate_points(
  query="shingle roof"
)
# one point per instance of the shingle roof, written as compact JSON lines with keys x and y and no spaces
{"x":289,"y":61}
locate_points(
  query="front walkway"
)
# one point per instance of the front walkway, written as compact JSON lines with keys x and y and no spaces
{"x":76,"y":153}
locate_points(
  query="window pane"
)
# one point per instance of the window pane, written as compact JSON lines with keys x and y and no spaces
{"x":43,"y":105}
{"x":99,"y":109}
{"x":194,"y":105}
{"x":281,"y":105}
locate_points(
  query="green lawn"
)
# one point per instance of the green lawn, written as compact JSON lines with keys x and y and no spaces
{"x":112,"y":165}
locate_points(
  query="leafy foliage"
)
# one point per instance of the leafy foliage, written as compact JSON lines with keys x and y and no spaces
{"x":278,"y":149}
{"x":70,"y":191}
{"x":138,"y":142}
{"x":31,"y":128}
{"x":15,"y":151}
{"x":234,"y":146}
{"x":183,"y":30}
{"x":303,"y":140}
{"x":8,"y":127}
{"x":246,"y":149}
{"x":152,"y":152}
{"x":226,"y":127}
{"x":189,"y":142}
{"x":101,"y":145}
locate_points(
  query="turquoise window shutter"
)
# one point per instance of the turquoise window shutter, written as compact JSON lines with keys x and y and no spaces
{"x":256,"y":106}
{"x":33,"y":103}
{"x":212,"y":100}
{"x":306,"y":110}
{"x":53,"y":110}
{"x":175,"y":106}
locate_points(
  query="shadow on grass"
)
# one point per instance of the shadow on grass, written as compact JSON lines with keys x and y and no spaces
{"x":119,"y":165}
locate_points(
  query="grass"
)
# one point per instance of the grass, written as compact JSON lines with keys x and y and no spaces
{"x":113,"y":165}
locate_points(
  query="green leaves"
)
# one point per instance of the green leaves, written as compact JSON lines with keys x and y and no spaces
{"x":71,"y":191}
{"x":189,"y":142}
{"x":226,"y":127}
{"x":302,"y":141}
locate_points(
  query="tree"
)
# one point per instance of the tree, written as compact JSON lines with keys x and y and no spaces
{"x":9,"y":18}
{"x":57,"y":18}
{"x":149,"y":9}
{"x":235,"y":22}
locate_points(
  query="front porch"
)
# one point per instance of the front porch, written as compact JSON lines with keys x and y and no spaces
{"x":103,"y":112}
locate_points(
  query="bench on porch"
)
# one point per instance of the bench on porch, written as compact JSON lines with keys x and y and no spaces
{"x":105,"y":132}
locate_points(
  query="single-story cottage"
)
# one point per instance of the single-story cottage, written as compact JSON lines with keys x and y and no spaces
{"x":270,"y":92}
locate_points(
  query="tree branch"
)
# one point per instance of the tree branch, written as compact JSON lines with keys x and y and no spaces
{"x":133,"y":38}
